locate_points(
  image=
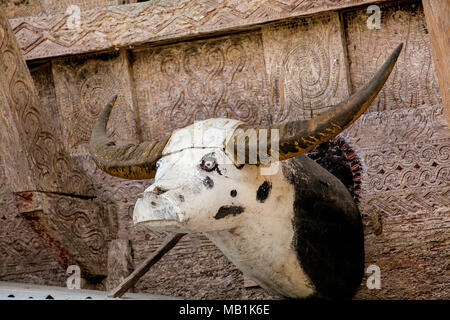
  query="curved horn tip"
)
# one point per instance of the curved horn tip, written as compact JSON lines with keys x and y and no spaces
{"x":397,"y":50}
{"x":113,"y":100}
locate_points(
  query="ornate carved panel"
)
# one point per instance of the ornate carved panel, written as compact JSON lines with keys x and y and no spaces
{"x":23,"y":256}
{"x":15,"y":8}
{"x":83,"y":87}
{"x":419,"y":124}
{"x":176,"y":85}
{"x":51,"y":168}
{"x":54,"y":192}
{"x":77,"y":230}
{"x":413,"y":81}
{"x":306,"y":64}
{"x":408,"y":166}
{"x":110,"y":27}
{"x":404,"y":144}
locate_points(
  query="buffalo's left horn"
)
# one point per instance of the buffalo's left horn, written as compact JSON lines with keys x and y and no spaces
{"x":125,"y":161}
{"x":296,"y":137}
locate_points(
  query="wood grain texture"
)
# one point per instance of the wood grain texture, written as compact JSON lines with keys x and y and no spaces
{"x":120,"y":263}
{"x":54,"y":194}
{"x":305,"y":65}
{"x":83,"y":87}
{"x":36,"y":130}
{"x":14,"y":8}
{"x":76,"y":230}
{"x":437,"y":16}
{"x":413,"y":81}
{"x":143,"y":268}
{"x":403,"y":142}
{"x":134,"y":24}
{"x":179,"y":84}
{"x":23,"y":255}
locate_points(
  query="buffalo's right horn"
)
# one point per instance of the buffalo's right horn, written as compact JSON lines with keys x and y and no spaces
{"x":297,"y":137}
{"x":125,"y":161}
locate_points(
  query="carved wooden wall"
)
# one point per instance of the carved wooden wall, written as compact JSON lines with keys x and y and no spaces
{"x":305,"y":62}
{"x":50,"y":35}
{"x":176,"y":85}
{"x":404,"y":143}
{"x":83,"y":86}
{"x":269,"y":73}
{"x":50,"y":190}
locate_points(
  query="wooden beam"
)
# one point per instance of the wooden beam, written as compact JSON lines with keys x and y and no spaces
{"x":437,"y":16}
{"x":97,"y":29}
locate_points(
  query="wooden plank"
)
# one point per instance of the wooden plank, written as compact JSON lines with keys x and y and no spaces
{"x":76,"y":230}
{"x":154,"y":21}
{"x":131,"y":280}
{"x":120,"y":262}
{"x":53,"y":193}
{"x":14,"y":8}
{"x":83,"y":86}
{"x":222,"y":77}
{"x":34,"y":155}
{"x":305,"y":66}
{"x":437,"y":15}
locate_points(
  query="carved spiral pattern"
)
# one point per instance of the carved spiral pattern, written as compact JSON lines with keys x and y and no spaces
{"x":309,"y":69}
{"x":43,"y":148}
{"x":184,"y":83}
{"x":408,"y":167}
{"x":81,"y":224}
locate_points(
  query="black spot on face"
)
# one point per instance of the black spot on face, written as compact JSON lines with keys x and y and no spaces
{"x":263,"y":191}
{"x":208,"y":182}
{"x":228,"y":210}
{"x":181,"y":197}
{"x":233,"y":193}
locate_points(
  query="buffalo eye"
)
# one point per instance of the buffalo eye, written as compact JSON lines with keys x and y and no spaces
{"x":208,"y":164}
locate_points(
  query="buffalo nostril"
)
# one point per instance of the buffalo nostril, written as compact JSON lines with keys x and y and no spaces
{"x":159,"y":190}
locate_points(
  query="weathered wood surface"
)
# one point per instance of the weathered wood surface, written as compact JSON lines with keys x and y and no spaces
{"x":83,"y":87}
{"x":23,"y":255}
{"x":306,"y":67}
{"x":142,"y":269}
{"x":43,"y":164}
{"x":437,"y":15}
{"x":135,"y":24}
{"x":51,"y":190}
{"x":404,"y":144}
{"x":15,"y":8}
{"x":120,"y":263}
{"x":77,"y":230}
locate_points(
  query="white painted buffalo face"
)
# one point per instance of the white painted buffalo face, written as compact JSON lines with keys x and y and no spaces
{"x":198,"y":188}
